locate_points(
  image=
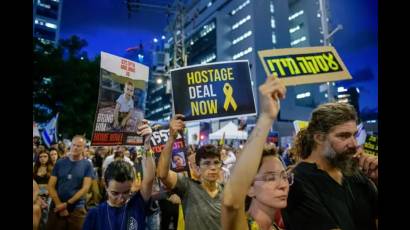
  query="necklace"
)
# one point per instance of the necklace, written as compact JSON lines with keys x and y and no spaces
{"x":109,"y":218}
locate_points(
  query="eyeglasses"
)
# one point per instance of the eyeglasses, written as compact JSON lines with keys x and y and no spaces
{"x":276,"y":176}
{"x":116,"y":195}
{"x":208,"y":163}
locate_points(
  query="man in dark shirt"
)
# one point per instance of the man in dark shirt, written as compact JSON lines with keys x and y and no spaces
{"x":335,"y":183}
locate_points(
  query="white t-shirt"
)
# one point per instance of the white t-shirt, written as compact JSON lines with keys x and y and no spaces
{"x":125,"y":106}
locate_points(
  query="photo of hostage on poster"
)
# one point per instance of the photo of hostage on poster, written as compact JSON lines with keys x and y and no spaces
{"x":159,"y":137}
{"x":213,"y":91}
{"x":121,"y":101}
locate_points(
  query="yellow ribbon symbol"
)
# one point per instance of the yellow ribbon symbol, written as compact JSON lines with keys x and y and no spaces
{"x":228,"y":90}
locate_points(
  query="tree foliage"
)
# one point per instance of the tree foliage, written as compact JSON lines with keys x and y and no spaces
{"x":65,"y":81}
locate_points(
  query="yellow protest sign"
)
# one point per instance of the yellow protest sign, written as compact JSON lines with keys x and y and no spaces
{"x":307,"y":65}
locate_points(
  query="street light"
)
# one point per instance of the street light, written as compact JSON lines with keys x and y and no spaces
{"x":163,"y":37}
{"x":159,"y":81}
{"x":155,"y":40}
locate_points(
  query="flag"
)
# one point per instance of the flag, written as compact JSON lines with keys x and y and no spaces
{"x":49,"y":132}
{"x":222,"y":141}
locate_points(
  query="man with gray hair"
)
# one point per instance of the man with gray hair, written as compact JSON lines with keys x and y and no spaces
{"x":70,"y":180}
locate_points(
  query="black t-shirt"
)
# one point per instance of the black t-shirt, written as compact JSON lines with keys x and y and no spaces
{"x":317,"y":202}
{"x":41,"y":179}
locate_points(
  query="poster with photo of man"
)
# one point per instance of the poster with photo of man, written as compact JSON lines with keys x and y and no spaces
{"x":121,"y":101}
{"x":159,"y":138}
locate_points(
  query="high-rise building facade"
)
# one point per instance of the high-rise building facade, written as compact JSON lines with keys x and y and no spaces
{"x":224,"y":30}
{"x":46,"y":20}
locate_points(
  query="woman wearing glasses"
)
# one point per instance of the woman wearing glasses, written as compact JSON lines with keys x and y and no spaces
{"x":258,"y":173}
{"x":124,"y":209}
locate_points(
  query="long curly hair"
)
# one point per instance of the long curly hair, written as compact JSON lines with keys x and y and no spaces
{"x":324,"y":118}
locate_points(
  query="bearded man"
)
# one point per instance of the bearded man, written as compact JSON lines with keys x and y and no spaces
{"x":335,"y":184}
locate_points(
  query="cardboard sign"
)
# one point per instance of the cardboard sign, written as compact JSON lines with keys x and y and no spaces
{"x":296,"y":66}
{"x":159,"y":138}
{"x":121,"y":101}
{"x":213,"y":91}
{"x":371,"y":145}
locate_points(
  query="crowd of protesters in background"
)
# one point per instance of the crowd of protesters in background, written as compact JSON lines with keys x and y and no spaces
{"x":244,"y":186}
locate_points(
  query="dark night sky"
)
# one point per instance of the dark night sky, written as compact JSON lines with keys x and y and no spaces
{"x":105,"y":25}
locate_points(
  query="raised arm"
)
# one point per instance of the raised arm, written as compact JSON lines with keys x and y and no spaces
{"x":233,"y":213}
{"x":168,"y":177}
{"x":148,"y":165}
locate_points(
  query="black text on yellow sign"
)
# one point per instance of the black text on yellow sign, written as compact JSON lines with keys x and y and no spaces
{"x":198,"y":90}
{"x":371,"y":145}
{"x":304,"y":65}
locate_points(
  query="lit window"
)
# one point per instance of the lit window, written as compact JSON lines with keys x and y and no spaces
{"x":240,"y":22}
{"x":272,"y":22}
{"x":294,"y":29}
{"x":207,"y":29}
{"x":243,"y":36}
{"x":295,"y":15}
{"x":303,"y":95}
{"x":341,"y":89}
{"x":272,"y":9}
{"x":297,"y":41}
{"x":242,"y":53}
{"x":209,"y":58}
{"x":51,"y":25}
{"x":240,"y":7}
{"x":43,"y":5}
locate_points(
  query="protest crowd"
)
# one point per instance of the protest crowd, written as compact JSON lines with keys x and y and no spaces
{"x":323,"y":180}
